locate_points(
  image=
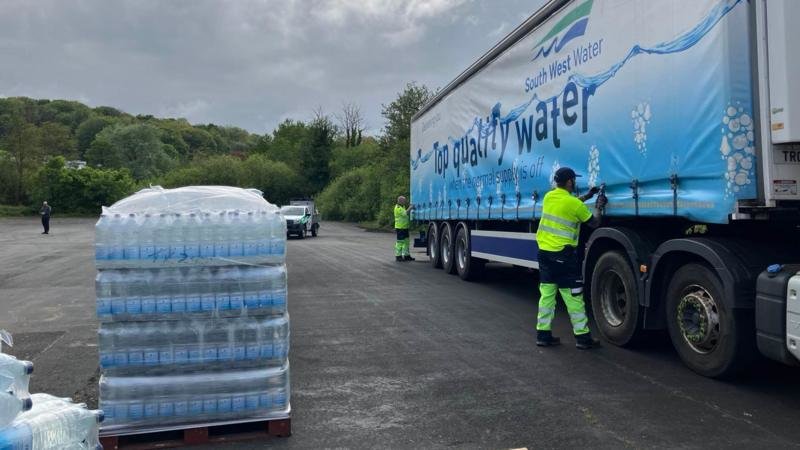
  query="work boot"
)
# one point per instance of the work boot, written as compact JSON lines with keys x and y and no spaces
{"x":586,"y":342}
{"x":398,"y":258}
{"x":546,"y":339}
{"x":408,"y":258}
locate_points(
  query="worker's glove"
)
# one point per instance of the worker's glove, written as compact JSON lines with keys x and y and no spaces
{"x":601,"y":202}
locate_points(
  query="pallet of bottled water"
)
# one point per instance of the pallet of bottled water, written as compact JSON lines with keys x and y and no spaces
{"x":191,"y":298}
{"x":185,"y":227}
{"x":40,"y":421}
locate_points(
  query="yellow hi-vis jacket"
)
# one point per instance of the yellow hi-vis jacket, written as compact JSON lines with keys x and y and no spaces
{"x":562,"y":216}
{"x":400,"y":218}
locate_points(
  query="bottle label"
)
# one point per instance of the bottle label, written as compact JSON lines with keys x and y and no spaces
{"x":151,"y":409}
{"x":148,"y":305}
{"x":103,"y":306}
{"x":133,"y":305}
{"x":131,"y":252}
{"x":166,"y":409}
{"x":224,"y":405}
{"x":209,"y":406}
{"x":178,"y":303}
{"x":192,"y":251}
{"x":135,"y":411}
{"x":164,"y":304}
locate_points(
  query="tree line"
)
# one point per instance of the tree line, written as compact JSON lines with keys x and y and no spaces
{"x":353,"y":177}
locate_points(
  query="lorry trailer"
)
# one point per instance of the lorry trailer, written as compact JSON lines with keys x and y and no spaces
{"x":688,"y":113}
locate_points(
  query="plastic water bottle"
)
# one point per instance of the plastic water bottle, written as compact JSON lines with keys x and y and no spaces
{"x":129,"y":232}
{"x":175,"y":233}
{"x":220,"y":233}
{"x":278,"y":230}
{"x":192,"y":226}
{"x":161,"y":238}
{"x":101,"y":237}
{"x":115,"y":239}
{"x":147,"y":232}
{"x":70,"y":426}
{"x":264,"y":235}
{"x":11,"y":406}
{"x":206,"y":236}
{"x":17,"y":436}
{"x":235,"y":236}
{"x":14,"y":375}
{"x":251,"y":232}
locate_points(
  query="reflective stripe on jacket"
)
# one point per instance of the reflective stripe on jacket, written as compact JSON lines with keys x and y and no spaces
{"x":562,"y":215}
{"x":400,"y":218}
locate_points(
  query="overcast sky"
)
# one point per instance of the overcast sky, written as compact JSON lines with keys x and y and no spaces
{"x":246,"y":63}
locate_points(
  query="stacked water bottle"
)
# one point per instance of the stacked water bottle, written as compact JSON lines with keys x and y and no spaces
{"x":191,"y":296}
{"x":40,"y":421}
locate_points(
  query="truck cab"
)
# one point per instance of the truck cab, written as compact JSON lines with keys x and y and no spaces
{"x":301,"y":217}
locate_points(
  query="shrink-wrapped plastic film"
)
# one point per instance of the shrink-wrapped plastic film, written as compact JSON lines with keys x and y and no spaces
{"x":191,"y":297}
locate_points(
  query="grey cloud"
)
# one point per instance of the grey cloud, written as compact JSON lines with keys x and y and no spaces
{"x":246,"y":63}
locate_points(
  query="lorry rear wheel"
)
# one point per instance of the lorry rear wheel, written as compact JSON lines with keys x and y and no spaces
{"x":710,"y":338}
{"x":468,"y":268}
{"x":434,"y":247}
{"x":448,"y":249}
{"x":615,"y":301}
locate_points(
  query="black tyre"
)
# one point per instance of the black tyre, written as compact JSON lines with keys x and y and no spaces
{"x":615,"y":301}
{"x":468,"y":268}
{"x":314,"y":229}
{"x":303,"y":232}
{"x":434,"y":247}
{"x":448,"y":248}
{"x":710,"y":338}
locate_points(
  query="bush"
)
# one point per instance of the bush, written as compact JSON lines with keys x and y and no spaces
{"x":354,"y":196}
{"x":79,"y":191}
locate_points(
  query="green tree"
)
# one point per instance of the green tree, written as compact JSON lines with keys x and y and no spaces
{"x":135,"y":147}
{"x":56,"y":139}
{"x":87,"y":131}
{"x":315,"y":153}
{"x":79,"y":191}
{"x":23,"y":144}
{"x":399,"y":112}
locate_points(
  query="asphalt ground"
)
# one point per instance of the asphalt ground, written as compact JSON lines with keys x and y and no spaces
{"x":399,"y":355}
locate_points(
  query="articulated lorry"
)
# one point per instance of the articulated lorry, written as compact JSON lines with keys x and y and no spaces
{"x":687,"y":112}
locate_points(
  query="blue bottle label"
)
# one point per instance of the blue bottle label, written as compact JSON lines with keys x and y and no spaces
{"x":238,"y":403}
{"x":221,"y":250}
{"x":251,"y":402}
{"x":148,"y":252}
{"x":279,"y":399}
{"x":117,"y":306}
{"x":103,"y":306}
{"x":265,"y":401}
{"x":223,"y":300}
{"x":237,"y":300}
{"x":177,"y":251}
{"x":164,"y":304}
{"x":181,"y":356}
{"x":135,"y":411}
{"x":130,"y":252}
{"x":224,"y":353}
{"x":135,"y":358}
{"x":193,"y":303}
{"x":253,"y":351}
{"x":178,"y":303}
{"x":207,"y":251}
{"x":106,"y":359}
{"x":120,"y":411}
{"x":207,"y":302}
{"x":195,"y":355}
{"x":181,"y":407}
{"x":264,"y":299}
{"x":166,"y":409}
{"x":239,"y":352}
{"x":151,"y":357}
{"x":133,"y":305}
{"x":192,"y":251}
{"x":148,"y":304}
{"x":251,"y":300}
{"x":121,"y":359}
{"x":224,"y":405}
{"x":210,"y":354}
{"x":267,"y":351}
{"x":151,"y":409}
{"x":209,"y":406}
{"x":195,"y":407}
{"x":165,"y":356}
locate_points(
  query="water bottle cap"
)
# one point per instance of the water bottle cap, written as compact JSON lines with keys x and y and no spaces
{"x":28,"y":367}
{"x":27,"y":404}
{"x":775,"y":268}
{"x":100,"y":416}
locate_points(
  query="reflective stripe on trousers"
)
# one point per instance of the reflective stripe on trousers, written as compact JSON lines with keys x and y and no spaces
{"x":575,"y":308}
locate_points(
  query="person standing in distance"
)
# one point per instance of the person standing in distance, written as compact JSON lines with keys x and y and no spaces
{"x":401,"y":224}
{"x":559,"y":261}
{"x":45,"y":212}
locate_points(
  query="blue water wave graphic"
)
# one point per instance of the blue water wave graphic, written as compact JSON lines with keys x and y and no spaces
{"x":681,"y":43}
{"x":576,"y":30}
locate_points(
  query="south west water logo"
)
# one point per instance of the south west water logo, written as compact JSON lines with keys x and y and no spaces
{"x":571,"y":26}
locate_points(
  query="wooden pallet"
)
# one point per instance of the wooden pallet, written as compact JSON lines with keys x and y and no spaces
{"x":200,"y":435}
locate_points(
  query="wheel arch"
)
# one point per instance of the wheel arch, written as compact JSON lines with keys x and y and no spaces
{"x":724,"y":257}
{"x":637,"y":246}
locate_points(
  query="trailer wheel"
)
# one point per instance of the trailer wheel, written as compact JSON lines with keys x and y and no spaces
{"x":448,"y":249}
{"x":468,"y":268}
{"x":615,"y":302}
{"x":434,"y":247}
{"x":710,"y":338}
